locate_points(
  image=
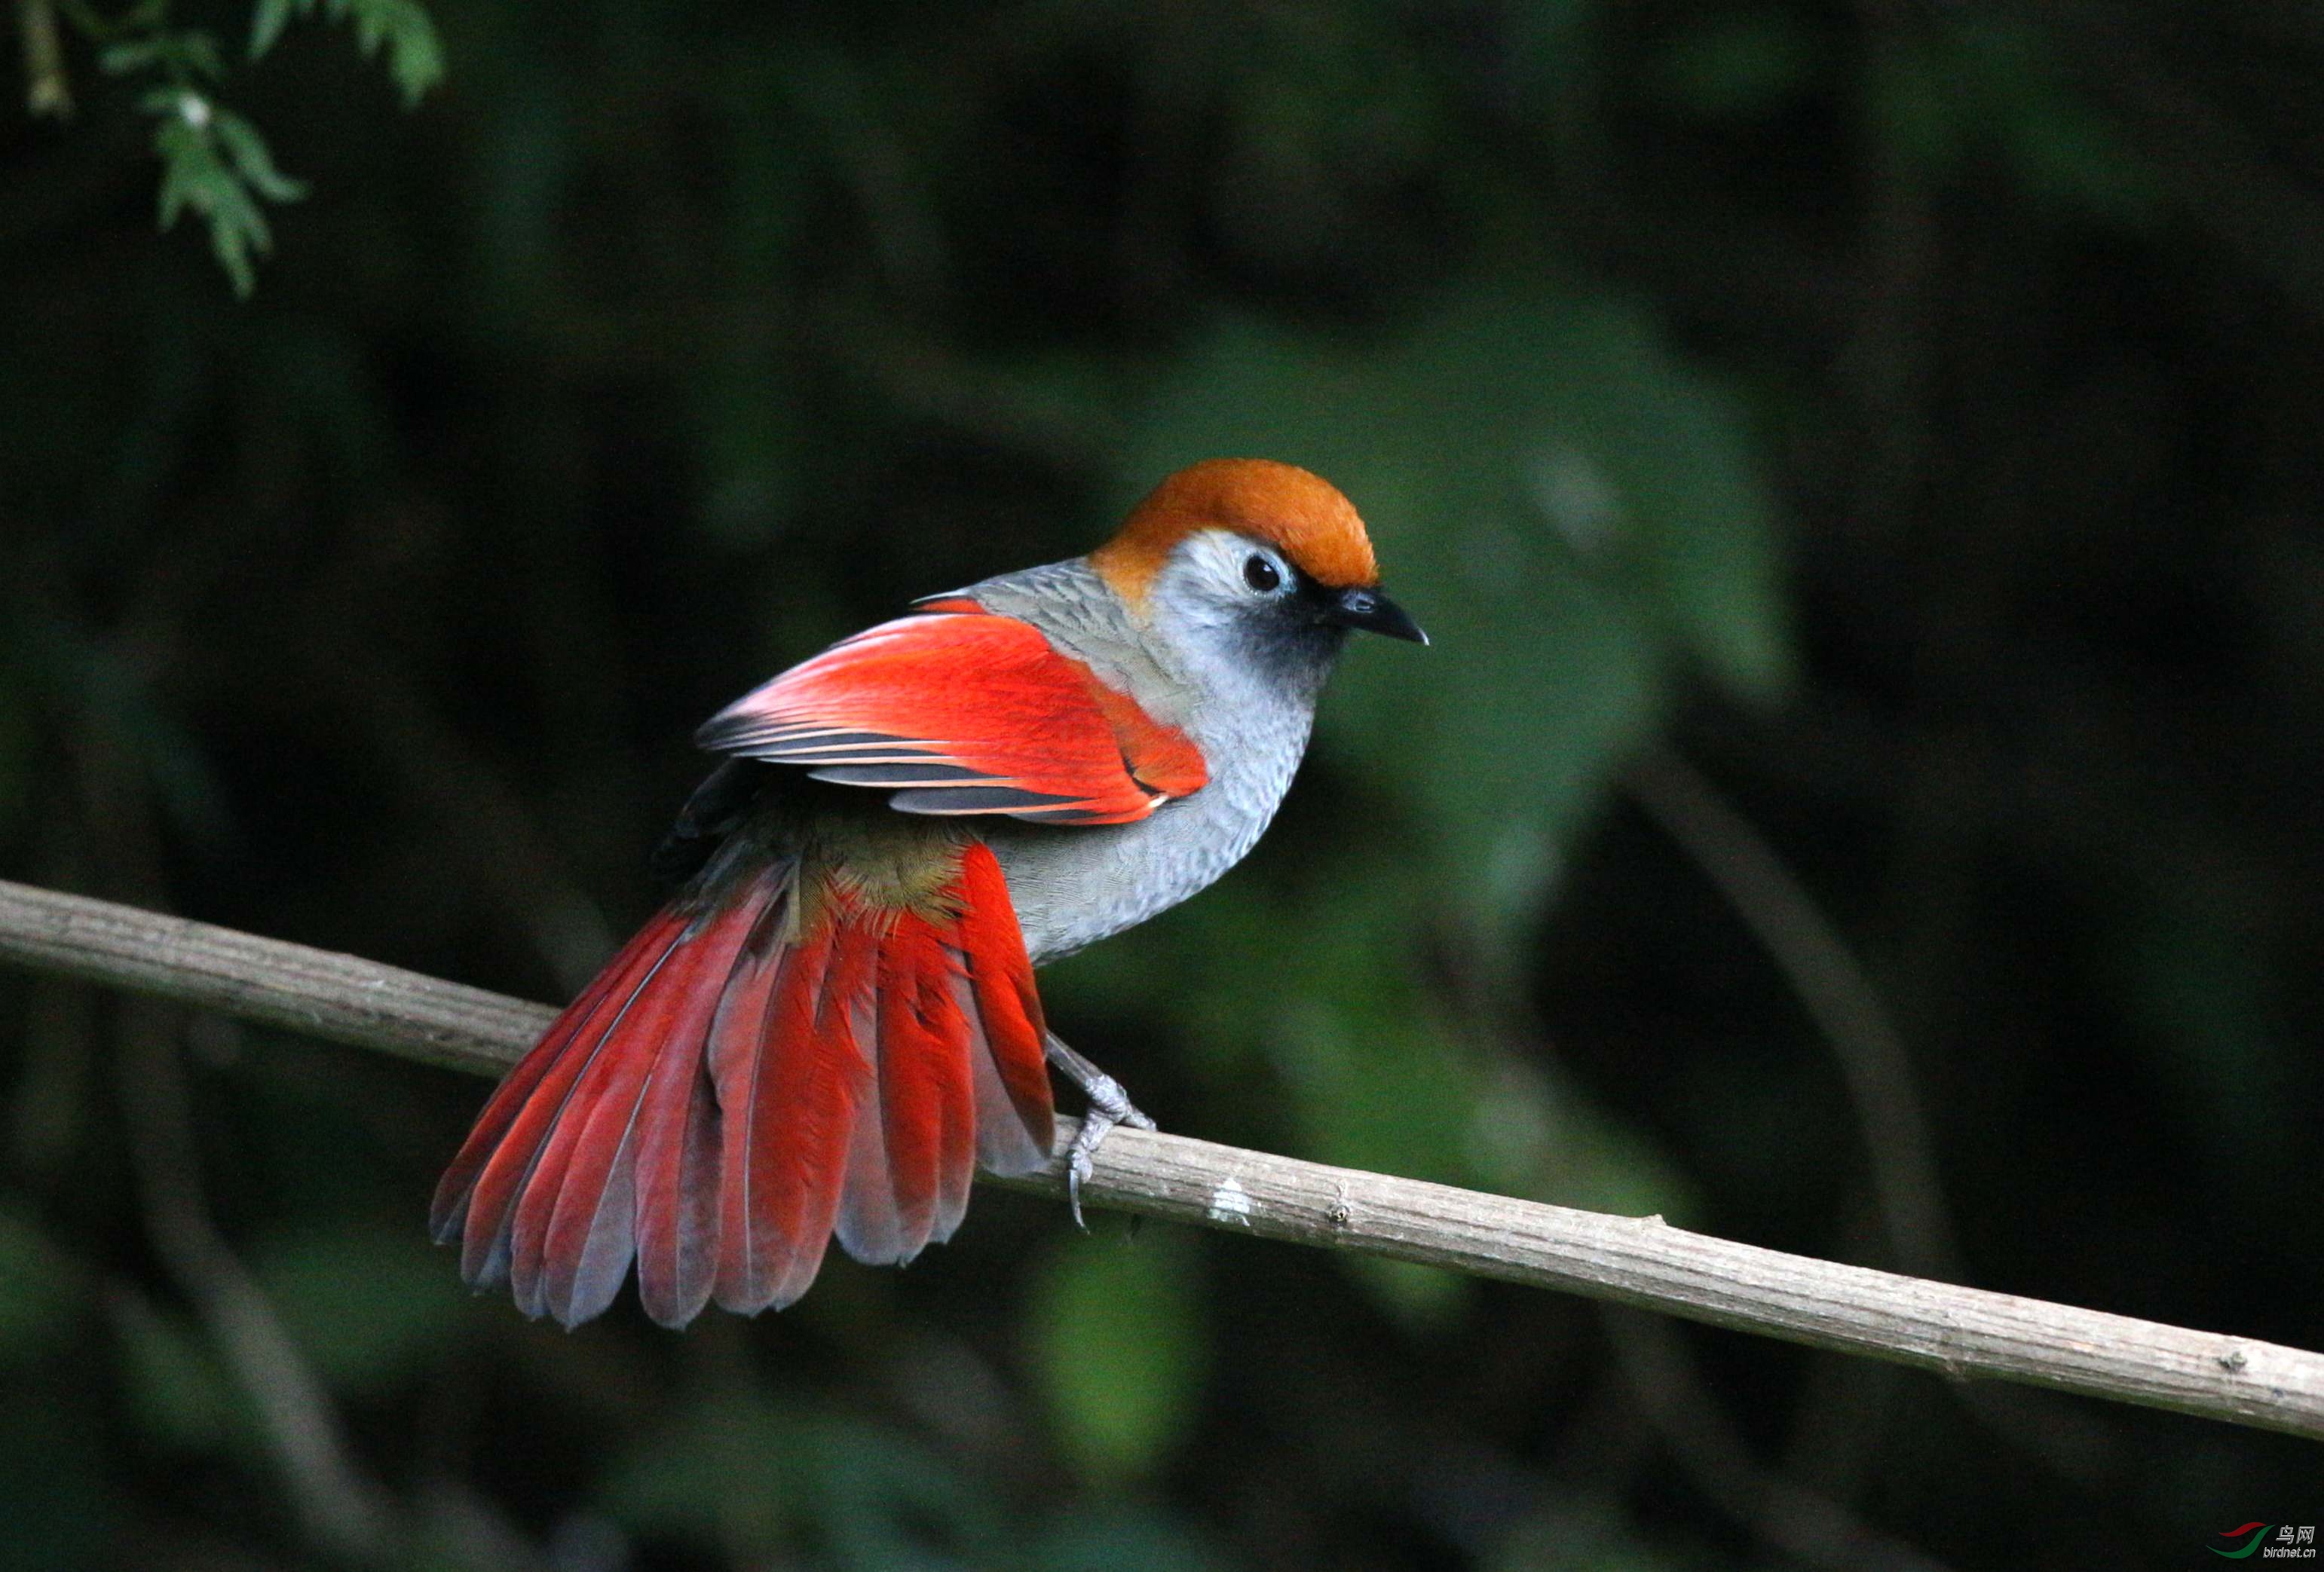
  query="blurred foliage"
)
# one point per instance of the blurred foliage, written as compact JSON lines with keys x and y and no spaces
{"x":753,"y":1476}
{"x":180,"y":1396}
{"x":36,"y":1285}
{"x":1905,"y":412}
{"x":399,"y":29}
{"x":1139,"y":1311}
{"x":362,"y":1305}
{"x":214,"y":161}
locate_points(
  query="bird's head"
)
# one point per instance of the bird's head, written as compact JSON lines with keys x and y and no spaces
{"x":1258,"y":558}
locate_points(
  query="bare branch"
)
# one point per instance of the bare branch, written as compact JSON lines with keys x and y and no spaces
{"x":1961,"y":1332}
{"x":334,"y":997}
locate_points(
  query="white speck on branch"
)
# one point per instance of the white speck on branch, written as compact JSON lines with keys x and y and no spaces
{"x":1229,"y":1204}
{"x":1960,"y":1333}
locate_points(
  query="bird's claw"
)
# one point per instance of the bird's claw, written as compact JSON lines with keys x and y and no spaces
{"x":1078,"y":1164}
{"x":1108,"y":1106}
{"x":1097,"y":1124}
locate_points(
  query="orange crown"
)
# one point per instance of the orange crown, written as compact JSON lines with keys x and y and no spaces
{"x":1302,"y":515}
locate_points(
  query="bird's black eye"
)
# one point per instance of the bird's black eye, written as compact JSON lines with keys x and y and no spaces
{"x":1261,"y":575}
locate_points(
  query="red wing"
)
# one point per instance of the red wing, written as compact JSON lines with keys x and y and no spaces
{"x":959,"y":710}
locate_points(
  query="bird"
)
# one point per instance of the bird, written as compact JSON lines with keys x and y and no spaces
{"x":834,"y":1020}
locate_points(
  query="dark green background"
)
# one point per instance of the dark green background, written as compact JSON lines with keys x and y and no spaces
{"x":1903,"y":418}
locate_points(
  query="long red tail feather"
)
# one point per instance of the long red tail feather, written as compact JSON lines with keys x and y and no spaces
{"x":477,"y":1197}
{"x":1012,"y":1075}
{"x":577,"y":1228}
{"x":744,"y":1082}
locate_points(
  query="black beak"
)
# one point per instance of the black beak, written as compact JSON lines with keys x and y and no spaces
{"x":1375,"y":612}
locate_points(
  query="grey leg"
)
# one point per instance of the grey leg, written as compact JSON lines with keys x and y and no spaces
{"x":1108,"y":1106}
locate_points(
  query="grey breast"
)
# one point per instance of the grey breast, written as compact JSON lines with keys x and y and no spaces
{"x":1073,"y":886}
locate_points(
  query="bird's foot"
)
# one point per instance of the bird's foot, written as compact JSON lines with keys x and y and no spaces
{"x":1108,"y":1106}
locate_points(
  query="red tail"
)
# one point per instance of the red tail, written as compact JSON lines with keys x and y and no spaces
{"x":743,"y":1081}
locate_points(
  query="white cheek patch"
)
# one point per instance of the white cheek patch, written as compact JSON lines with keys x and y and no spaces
{"x":1203,"y":583}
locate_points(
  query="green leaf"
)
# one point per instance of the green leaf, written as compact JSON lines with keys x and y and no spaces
{"x":415,"y":54}
{"x":183,"y":55}
{"x":1119,"y":1347}
{"x":267,"y":22}
{"x":212,"y":160}
{"x":252,"y":160}
{"x":415,"y":51}
{"x":193,"y":177}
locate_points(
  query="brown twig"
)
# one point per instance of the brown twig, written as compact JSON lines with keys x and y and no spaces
{"x":1963,"y":1333}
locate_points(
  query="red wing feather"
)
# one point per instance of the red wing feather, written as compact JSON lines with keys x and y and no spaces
{"x":964,"y":711}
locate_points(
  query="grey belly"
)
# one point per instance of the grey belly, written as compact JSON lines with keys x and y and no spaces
{"x":1073,"y":887}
